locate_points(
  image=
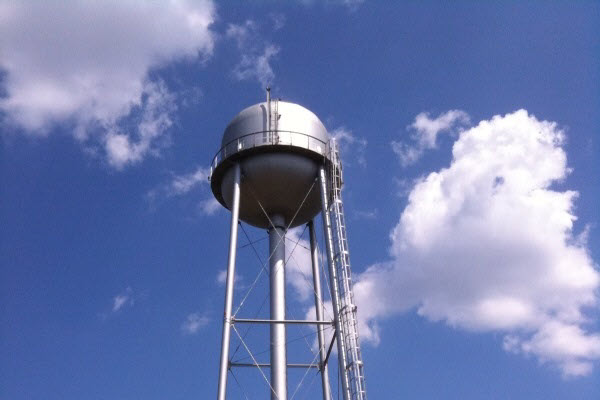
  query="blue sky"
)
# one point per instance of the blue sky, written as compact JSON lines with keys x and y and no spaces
{"x":470,"y":145}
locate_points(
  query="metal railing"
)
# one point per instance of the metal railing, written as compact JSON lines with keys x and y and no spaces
{"x":266,"y":138}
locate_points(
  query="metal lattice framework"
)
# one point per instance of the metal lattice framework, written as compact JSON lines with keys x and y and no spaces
{"x":302,"y":148}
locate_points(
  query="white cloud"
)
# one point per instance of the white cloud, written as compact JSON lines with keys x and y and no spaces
{"x":428,"y":129}
{"x":256,"y":53}
{"x":278,"y":20}
{"x":299,"y":276}
{"x":128,"y":148}
{"x":425,"y":132}
{"x":123,"y":299}
{"x":299,"y":264}
{"x":366,"y":214}
{"x":193,"y":323}
{"x":86,"y":65}
{"x":242,"y":33}
{"x":222,"y":276}
{"x":181,"y":185}
{"x":239,"y":279}
{"x":350,"y":145}
{"x":487,"y":244}
{"x":257,"y":65}
{"x":210,"y":206}
{"x":311,"y":313}
{"x":352,"y":5}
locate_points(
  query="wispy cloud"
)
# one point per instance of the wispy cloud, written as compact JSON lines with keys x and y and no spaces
{"x":125,"y":148}
{"x":424,"y":133}
{"x":351,"y":5}
{"x":210,"y":206}
{"x":193,"y":323}
{"x":102,"y":92}
{"x":184,"y":184}
{"x":487,"y":245}
{"x":239,"y":279}
{"x":278,"y":20}
{"x":256,"y":52}
{"x":222,"y":276}
{"x":366,"y":214}
{"x":351,"y":146}
{"x":257,"y":65}
{"x":123,"y":299}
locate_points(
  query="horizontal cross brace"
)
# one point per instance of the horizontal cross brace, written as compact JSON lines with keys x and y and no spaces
{"x":267,"y":365}
{"x":280,"y":321}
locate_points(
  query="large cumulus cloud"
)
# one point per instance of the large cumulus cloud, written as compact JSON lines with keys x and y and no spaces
{"x":88,"y":65}
{"x":487,"y":244}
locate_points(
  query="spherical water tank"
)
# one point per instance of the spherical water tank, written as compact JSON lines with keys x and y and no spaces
{"x":279,"y":151}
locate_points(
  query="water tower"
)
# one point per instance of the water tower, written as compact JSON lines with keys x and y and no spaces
{"x":277,"y":169}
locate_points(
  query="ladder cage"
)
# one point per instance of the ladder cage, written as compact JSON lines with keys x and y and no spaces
{"x":354,"y":368}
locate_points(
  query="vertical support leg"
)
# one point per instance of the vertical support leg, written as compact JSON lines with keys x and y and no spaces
{"x":277,"y":287}
{"x":319,"y":309}
{"x":235,"y":208}
{"x":335,"y":293}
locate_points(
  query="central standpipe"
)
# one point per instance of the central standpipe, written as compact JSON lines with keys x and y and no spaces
{"x":277,"y":287}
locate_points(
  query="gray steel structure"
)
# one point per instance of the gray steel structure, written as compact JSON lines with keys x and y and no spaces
{"x":277,"y":168}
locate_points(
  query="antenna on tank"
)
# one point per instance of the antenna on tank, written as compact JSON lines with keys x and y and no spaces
{"x":269,"y":108}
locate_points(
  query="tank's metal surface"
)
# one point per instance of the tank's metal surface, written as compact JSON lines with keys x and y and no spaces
{"x":279,"y":153}
{"x":291,"y":118}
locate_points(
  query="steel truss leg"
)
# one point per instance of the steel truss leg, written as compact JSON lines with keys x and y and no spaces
{"x":319,"y":309}
{"x":235,"y":208}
